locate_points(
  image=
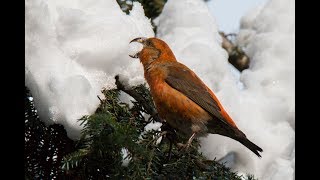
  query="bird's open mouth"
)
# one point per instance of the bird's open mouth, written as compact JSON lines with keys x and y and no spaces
{"x":135,"y":55}
{"x":139,"y":40}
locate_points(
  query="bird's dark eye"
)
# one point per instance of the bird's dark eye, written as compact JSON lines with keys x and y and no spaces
{"x":148,"y":43}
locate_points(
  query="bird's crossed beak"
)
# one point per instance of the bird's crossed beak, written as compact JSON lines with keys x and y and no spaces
{"x":139,"y":40}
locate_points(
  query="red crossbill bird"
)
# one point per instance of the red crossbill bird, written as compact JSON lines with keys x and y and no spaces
{"x":182,"y":99}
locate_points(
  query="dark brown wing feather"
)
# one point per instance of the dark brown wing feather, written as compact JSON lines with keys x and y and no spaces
{"x":184,"y":80}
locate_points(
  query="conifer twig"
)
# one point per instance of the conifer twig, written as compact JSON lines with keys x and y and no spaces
{"x":149,"y":109}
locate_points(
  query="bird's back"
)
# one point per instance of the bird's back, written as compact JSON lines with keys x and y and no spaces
{"x":178,"y":89}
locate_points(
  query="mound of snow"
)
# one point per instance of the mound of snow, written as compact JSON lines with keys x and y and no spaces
{"x":73,"y":50}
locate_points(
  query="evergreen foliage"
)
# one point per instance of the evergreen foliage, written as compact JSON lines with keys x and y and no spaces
{"x":116,"y":126}
{"x":44,"y":145}
{"x":152,"y":8}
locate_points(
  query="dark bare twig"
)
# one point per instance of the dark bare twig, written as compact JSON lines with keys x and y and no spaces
{"x":237,"y":56}
{"x":149,"y":109}
{"x":100,"y":99}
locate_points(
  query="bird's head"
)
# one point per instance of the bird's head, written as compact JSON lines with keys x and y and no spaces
{"x":154,"y":49}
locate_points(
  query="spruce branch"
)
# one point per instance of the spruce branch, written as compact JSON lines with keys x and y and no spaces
{"x":146,"y":105}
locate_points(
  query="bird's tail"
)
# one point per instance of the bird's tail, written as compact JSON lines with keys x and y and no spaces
{"x":234,"y":133}
{"x":250,"y":145}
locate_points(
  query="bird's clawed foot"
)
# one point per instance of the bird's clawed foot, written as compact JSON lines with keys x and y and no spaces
{"x":187,"y":145}
{"x":183,"y":147}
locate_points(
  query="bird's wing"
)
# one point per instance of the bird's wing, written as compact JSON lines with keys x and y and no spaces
{"x":187,"y":82}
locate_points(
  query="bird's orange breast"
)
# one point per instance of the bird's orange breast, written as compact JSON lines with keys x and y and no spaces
{"x":173,"y":106}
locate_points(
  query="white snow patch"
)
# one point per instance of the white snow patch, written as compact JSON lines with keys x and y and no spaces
{"x":75,"y":48}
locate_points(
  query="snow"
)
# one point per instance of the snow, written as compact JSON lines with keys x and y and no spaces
{"x":73,"y":50}
{"x":125,"y":157}
{"x":190,"y":31}
{"x":263,"y":108}
{"x":229,"y":12}
{"x":153,"y":126}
